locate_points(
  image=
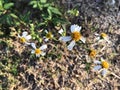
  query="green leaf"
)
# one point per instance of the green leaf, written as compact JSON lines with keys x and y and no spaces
{"x":1,"y":8}
{"x":14,"y":16}
{"x":50,"y":14}
{"x":60,"y":20}
{"x":1,"y":5}
{"x":35,"y":6}
{"x":43,"y":1}
{"x":41,"y":24}
{"x":46,"y":5}
{"x":54,"y":10}
{"x":8,"y":20}
{"x":8,"y":5}
{"x":73,"y":12}
{"x":1,"y":13}
{"x":1,"y":2}
{"x":33,"y":2}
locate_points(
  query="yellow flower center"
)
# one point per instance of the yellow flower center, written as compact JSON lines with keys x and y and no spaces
{"x":49,"y":35}
{"x":105,"y":64}
{"x":37,"y":51}
{"x":76,"y":36}
{"x":92,"y":53}
{"x":103,"y":35}
{"x":22,"y":40}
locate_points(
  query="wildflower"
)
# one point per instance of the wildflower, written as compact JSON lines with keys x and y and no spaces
{"x":48,"y":36}
{"x":104,"y":65}
{"x":24,"y":38}
{"x":38,"y":51}
{"x":92,"y":53}
{"x":103,"y":36}
{"x":75,"y":36}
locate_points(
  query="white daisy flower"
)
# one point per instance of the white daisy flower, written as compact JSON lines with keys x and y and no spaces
{"x":48,"y":36}
{"x":75,"y":36}
{"x":102,"y":36}
{"x":24,"y":38}
{"x":104,"y":65}
{"x":38,"y":51}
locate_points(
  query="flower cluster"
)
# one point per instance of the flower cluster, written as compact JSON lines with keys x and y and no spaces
{"x":77,"y":36}
{"x":101,"y":64}
{"x":74,"y":37}
{"x":24,"y":39}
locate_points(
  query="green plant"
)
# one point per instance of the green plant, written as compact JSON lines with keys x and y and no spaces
{"x":7,"y":17}
{"x":73,"y":12}
{"x":34,"y":34}
{"x":50,"y":14}
{"x":5,"y":5}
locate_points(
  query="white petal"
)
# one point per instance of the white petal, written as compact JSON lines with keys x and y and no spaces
{"x":37,"y":55}
{"x":46,"y":31}
{"x":28,"y":37}
{"x":97,"y":67}
{"x":60,"y":31}
{"x":97,"y":38}
{"x":33,"y":45}
{"x":96,"y":34}
{"x":71,"y":45}
{"x":43,"y":47}
{"x":24,"y":34}
{"x":104,"y":72}
{"x":102,"y":59}
{"x":27,"y":43}
{"x":97,"y":62}
{"x":83,"y":39}
{"x":65,"y":38}
{"x":46,"y":39}
{"x":43,"y":53}
{"x":78,"y":28}
{"x":72,"y":27}
{"x":75,"y":28}
{"x":33,"y":51}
